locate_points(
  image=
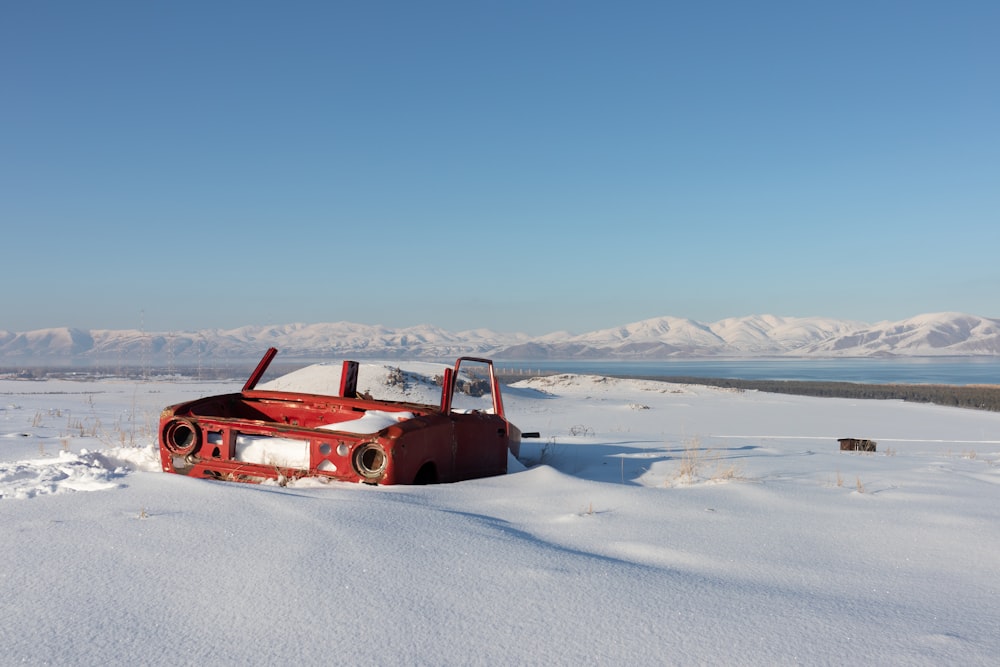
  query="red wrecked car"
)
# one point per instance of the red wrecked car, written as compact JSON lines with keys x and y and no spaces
{"x":258,"y":435}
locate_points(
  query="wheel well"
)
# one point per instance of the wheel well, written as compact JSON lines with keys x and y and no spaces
{"x":427,"y":474}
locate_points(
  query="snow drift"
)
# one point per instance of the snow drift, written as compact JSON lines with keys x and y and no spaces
{"x":652,"y":524}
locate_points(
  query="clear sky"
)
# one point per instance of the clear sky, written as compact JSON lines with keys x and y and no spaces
{"x":518,"y":165}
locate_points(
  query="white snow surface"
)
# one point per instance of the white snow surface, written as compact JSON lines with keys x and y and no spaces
{"x":651,"y":524}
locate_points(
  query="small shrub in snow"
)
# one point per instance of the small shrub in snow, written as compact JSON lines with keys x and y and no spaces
{"x":691,"y":461}
{"x":695,"y":460}
{"x":396,"y":378}
{"x":726,"y":472}
{"x":548,"y":452}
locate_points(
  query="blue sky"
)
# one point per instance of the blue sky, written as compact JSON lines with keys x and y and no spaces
{"x":522,"y":166}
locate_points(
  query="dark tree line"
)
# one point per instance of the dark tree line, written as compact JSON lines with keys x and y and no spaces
{"x":979,"y":397}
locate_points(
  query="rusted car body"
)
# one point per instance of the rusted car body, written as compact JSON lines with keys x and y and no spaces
{"x":257,"y":435}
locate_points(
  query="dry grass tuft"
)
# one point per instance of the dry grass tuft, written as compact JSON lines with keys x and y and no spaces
{"x":691,"y":461}
{"x":727,"y":472}
{"x":695,"y":460}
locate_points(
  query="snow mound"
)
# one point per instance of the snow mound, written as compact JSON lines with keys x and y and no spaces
{"x":412,"y":382}
{"x":86,"y":471}
{"x":570,"y":383}
{"x":373,"y":421}
{"x":67,"y":472}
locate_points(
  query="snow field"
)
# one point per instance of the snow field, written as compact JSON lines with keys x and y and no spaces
{"x":651,"y":524}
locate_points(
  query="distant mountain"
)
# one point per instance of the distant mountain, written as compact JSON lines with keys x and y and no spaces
{"x":939,"y":334}
{"x":672,"y":337}
{"x":925,"y":335}
{"x":294,"y":340}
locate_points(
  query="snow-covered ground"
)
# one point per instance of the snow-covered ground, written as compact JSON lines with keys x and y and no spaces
{"x":651,"y":524}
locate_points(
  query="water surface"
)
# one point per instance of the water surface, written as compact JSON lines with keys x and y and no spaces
{"x":923,"y":370}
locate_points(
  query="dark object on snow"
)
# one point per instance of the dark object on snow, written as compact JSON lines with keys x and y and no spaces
{"x":856,"y":445}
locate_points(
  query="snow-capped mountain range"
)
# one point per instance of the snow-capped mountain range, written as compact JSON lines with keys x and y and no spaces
{"x":938,"y":334}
